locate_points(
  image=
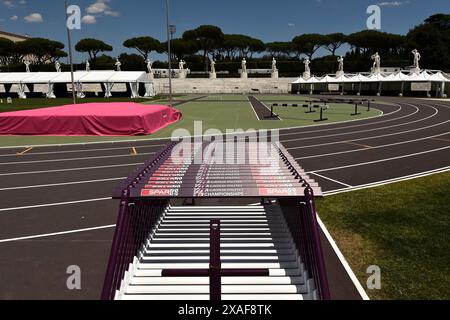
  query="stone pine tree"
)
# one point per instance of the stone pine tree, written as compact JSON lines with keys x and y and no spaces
{"x":93,"y":47}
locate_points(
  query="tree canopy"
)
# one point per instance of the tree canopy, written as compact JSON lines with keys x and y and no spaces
{"x":43,"y":50}
{"x":144,"y":45}
{"x":93,"y":47}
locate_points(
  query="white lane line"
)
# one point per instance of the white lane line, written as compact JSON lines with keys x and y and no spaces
{"x":387,"y":182}
{"x":381,"y":160}
{"x":382,"y":115}
{"x":61,"y":184}
{"x":197,"y":136}
{"x":372,"y":148}
{"x":251,"y":104}
{"x":333,"y":180}
{"x":73,"y":159}
{"x":363,"y":131}
{"x":367,"y":138}
{"x":54,"y":204}
{"x":82,"y":150}
{"x":46,"y":235}
{"x":343,"y":261}
{"x":71,"y":169}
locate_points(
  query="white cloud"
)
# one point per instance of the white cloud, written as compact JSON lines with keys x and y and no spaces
{"x":89,"y":19}
{"x":101,"y":7}
{"x":14,"y":18}
{"x":8,"y":3}
{"x":393,"y":3}
{"x":34,"y":18}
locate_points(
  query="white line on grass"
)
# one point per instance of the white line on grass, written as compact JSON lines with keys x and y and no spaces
{"x":73,"y":159}
{"x":57,"y":233}
{"x":61,"y":184}
{"x":54,"y":204}
{"x":343,"y":261}
{"x":71,"y":169}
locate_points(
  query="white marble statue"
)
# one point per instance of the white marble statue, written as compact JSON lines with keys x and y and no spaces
{"x":376,"y":68}
{"x":274,"y":65}
{"x":341,"y":64}
{"x":306,"y":62}
{"x":182,"y":63}
{"x":57,"y":66}
{"x":27,"y":65}
{"x":213,"y":66}
{"x":244,"y":66}
{"x":88,"y":66}
{"x":417,"y":58}
{"x":118,"y":65}
{"x":149,"y":66}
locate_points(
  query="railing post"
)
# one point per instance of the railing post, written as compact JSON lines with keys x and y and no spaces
{"x":318,"y":252}
{"x":108,"y":290}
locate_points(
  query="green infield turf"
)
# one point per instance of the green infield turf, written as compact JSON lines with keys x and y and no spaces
{"x":404,"y":228}
{"x":232,"y":112}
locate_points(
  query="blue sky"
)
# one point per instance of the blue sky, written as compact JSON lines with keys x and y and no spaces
{"x":116,"y":20}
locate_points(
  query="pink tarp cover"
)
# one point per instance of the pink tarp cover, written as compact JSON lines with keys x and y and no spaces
{"x":90,"y":119}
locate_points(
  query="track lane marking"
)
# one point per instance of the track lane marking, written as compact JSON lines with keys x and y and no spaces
{"x":376,"y":147}
{"x":72,"y":159}
{"x":367,"y":138}
{"x":61,"y":184}
{"x":388,"y":181}
{"x":381,"y":160}
{"x":358,"y":144}
{"x":46,"y":235}
{"x":168,"y":138}
{"x":330,"y":179}
{"x":82,"y":150}
{"x":71,"y":169}
{"x":437,"y":139}
{"x":23,"y":152}
{"x":363,"y":131}
{"x":56,"y":204}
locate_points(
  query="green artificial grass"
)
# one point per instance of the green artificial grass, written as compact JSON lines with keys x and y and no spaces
{"x":233,"y":112}
{"x":404,"y":228}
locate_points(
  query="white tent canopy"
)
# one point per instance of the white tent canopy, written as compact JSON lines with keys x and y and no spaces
{"x":108,"y":77}
{"x":402,"y":76}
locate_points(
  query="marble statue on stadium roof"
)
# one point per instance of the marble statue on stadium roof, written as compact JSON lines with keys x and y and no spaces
{"x":57,"y":66}
{"x":307,"y":73}
{"x":274,"y":69}
{"x":118,"y":65}
{"x":376,"y":68}
{"x":150,"y":68}
{"x":88,"y":66}
{"x":416,"y":63}
{"x":244,"y":74}
{"x":27,"y":65}
{"x":340,"y":71}
{"x":212,"y":74}
{"x":182,"y":64}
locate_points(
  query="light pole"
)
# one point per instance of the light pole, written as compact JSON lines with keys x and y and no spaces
{"x":171,"y":29}
{"x":69,"y":40}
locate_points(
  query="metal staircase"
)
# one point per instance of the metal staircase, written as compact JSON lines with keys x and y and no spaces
{"x":251,"y":237}
{"x":266,"y":252}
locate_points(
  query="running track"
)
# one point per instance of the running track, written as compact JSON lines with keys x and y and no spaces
{"x":66,"y":190}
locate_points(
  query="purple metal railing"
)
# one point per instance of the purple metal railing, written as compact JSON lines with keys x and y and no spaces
{"x":135,"y":222}
{"x":301,"y":217}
